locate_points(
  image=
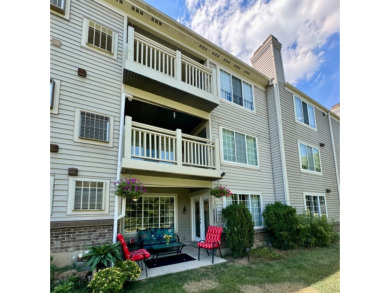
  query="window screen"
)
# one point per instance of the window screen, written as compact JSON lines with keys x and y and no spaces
{"x":94,"y":126}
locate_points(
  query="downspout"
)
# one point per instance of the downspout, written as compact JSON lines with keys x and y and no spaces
{"x":334,"y":155}
{"x":118,"y":170}
{"x":281,"y":141}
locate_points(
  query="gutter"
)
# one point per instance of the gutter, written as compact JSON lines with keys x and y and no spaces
{"x":281,"y":141}
{"x":119,"y":166}
{"x":334,"y":155}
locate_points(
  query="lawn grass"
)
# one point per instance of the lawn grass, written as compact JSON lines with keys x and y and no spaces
{"x":300,"y":270}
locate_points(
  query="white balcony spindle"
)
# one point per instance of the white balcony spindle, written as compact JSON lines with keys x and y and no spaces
{"x":179,"y":157}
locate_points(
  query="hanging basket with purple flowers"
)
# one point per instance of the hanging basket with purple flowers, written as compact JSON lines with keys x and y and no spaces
{"x":220,"y":191}
{"x":130,"y":188}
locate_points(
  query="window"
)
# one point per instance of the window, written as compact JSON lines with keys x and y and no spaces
{"x":58,"y":5}
{"x":315,"y":205}
{"x":235,"y":90}
{"x":252,"y":202}
{"x":94,"y":126}
{"x":54,"y":95}
{"x":60,"y":8}
{"x":100,"y":38}
{"x":239,"y":148}
{"x":304,"y":113}
{"x":88,"y":195}
{"x":150,"y":212}
{"x":52,"y":89}
{"x":310,"y":158}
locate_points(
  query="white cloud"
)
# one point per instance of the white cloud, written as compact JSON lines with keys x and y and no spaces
{"x":302,"y":26}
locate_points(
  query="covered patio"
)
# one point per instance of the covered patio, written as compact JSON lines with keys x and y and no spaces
{"x":192,"y":250}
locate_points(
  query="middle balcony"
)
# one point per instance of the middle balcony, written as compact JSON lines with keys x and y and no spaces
{"x":153,"y":67}
{"x":152,"y":150}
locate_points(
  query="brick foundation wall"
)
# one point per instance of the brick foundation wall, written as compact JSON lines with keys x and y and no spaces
{"x":261,"y":236}
{"x":66,"y":237}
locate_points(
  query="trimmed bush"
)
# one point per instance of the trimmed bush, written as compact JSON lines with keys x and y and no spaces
{"x":282,"y":223}
{"x":238,"y":228}
{"x":314,"y":231}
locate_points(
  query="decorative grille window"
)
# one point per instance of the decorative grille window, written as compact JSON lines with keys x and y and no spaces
{"x":94,"y":126}
{"x":150,"y":212}
{"x":88,"y":195}
{"x":58,"y":5}
{"x":100,"y":36}
{"x":316,"y":205}
{"x":252,"y":202}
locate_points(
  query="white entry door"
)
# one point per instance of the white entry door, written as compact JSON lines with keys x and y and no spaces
{"x":200,"y":216}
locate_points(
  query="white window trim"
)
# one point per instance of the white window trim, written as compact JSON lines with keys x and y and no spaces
{"x":261,"y":205}
{"x":318,"y":195}
{"x":71,"y":194}
{"x":51,"y":193}
{"x":67,"y":10}
{"x":76,"y":131}
{"x":236,"y":163}
{"x":295,"y":113}
{"x":56,"y":99}
{"x":300,"y":159}
{"x":175,"y":220}
{"x":84,"y":40}
{"x":242,"y":79}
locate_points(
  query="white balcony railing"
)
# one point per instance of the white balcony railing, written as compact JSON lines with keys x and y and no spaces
{"x":171,"y":64}
{"x":153,"y":55}
{"x":153,"y":144}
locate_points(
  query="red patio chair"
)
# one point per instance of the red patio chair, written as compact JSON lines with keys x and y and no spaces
{"x":137,"y":255}
{"x":213,"y":241}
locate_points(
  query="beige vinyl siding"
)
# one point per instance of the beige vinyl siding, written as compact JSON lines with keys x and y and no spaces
{"x":336,"y":138}
{"x":240,"y":178}
{"x":264,"y":62}
{"x":99,"y":92}
{"x":298,"y":181}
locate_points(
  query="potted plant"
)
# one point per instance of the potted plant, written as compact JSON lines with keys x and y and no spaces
{"x":130,"y":188}
{"x":100,"y":256}
{"x":220,"y":191}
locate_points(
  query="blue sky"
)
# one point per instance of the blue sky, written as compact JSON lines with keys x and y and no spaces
{"x":308,"y":30}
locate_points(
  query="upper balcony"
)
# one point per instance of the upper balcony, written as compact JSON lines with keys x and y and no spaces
{"x":155,"y":150}
{"x":155,"y":68}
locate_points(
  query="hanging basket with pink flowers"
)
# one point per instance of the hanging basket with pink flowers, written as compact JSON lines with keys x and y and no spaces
{"x":130,"y":188}
{"x":220,"y":191}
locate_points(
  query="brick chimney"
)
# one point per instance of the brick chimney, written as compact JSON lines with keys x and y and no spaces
{"x":336,"y":109}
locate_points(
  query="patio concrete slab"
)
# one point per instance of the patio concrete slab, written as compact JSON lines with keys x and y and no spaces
{"x":191,"y":250}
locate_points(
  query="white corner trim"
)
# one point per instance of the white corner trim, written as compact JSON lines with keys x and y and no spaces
{"x":281,"y":141}
{"x":334,"y":154}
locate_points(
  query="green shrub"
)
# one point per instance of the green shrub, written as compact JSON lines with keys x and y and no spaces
{"x":108,"y":280}
{"x":282,"y":223}
{"x":238,"y":228}
{"x":102,"y":255}
{"x":314,"y":231}
{"x":130,"y":268}
{"x":64,"y":287}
